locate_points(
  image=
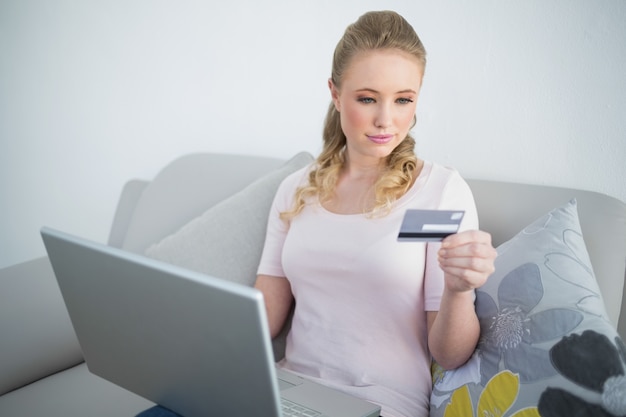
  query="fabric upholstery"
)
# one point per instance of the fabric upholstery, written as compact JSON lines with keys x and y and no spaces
{"x":73,"y":392}
{"x":187,"y":187}
{"x":37,"y":335}
{"x":227,"y":239}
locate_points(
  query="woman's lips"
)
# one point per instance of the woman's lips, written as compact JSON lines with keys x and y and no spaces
{"x":380,"y":139}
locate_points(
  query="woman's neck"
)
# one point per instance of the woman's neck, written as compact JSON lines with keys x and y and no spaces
{"x":354,"y":192}
{"x":362,"y":169}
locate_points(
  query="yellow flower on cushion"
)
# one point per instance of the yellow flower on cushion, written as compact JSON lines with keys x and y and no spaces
{"x":496,"y":399}
{"x":436,"y":372}
{"x":460,"y":404}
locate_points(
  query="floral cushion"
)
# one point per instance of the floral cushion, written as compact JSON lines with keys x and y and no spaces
{"x":547,"y":347}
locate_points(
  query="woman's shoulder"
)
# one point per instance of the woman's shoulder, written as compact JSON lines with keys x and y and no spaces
{"x":288,"y":186}
{"x":436,"y":184}
{"x":439,"y":170}
{"x":437,"y":175}
{"x":298,"y":178}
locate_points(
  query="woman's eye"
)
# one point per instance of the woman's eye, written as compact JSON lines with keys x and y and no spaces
{"x":404,"y":100}
{"x":366,"y":100}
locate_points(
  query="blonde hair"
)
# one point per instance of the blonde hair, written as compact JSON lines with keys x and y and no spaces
{"x":373,"y":30}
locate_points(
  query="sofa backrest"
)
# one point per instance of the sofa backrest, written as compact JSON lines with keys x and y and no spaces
{"x":184,"y":189}
{"x":193,"y":183}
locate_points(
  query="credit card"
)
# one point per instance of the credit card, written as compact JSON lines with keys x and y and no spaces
{"x":429,"y":225}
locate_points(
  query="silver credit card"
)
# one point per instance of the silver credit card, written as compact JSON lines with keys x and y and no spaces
{"x":429,"y":225}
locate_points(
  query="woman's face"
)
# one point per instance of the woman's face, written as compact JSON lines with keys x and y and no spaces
{"x":377,"y":101}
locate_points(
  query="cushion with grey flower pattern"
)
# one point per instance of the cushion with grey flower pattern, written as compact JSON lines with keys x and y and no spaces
{"x":546,"y":347}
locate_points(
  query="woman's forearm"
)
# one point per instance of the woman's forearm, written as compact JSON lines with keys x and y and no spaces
{"x":454,"y":330}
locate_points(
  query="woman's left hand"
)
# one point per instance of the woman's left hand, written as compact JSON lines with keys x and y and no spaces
{"x":467,"y":259}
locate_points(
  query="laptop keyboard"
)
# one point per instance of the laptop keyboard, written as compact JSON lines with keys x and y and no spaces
{"x":291,"y":409}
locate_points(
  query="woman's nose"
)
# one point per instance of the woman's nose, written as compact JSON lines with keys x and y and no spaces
{"x":383,"y":117}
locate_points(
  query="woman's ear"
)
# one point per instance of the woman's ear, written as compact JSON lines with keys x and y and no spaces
{"x":334,"y":94}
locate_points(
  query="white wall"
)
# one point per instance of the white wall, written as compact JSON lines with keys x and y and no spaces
{"x":94,"y":93}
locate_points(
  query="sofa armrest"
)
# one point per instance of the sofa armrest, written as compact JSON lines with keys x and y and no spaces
{"x":37,"y":335}
{"x":131,"y":193}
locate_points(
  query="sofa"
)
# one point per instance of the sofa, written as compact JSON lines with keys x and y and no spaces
{"x":198,"y":200}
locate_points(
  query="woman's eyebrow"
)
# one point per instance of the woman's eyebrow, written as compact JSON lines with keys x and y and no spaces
{"x":371,"y":90}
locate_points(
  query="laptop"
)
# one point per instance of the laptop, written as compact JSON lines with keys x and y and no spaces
{"x":195,"y":344}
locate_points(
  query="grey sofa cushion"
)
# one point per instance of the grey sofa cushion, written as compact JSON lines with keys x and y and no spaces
{"x":73,"y":392}
{"x":226,"y":241}
{"x":187,"y":187}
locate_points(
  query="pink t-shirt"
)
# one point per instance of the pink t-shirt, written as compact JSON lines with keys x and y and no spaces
{"x":361,"y":296}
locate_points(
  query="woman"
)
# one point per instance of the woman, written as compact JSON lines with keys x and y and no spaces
{"x":369,"y":310}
